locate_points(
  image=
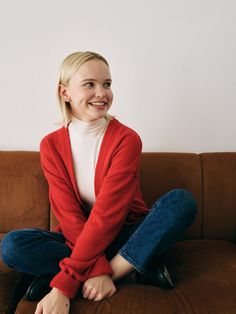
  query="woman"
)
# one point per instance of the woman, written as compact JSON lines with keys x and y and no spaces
{"x":105,"y":229}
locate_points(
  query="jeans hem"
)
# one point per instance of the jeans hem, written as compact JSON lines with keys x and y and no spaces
{"x":131,"y":261}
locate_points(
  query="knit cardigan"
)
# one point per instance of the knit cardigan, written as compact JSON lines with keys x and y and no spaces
{"x":118,"y":201}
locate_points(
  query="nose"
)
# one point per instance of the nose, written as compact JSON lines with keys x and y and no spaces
{"x":100,"y":92}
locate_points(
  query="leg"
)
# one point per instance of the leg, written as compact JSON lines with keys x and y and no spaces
{"x":34,"y":251}
{"x":119,"y":265}
{"x":166,"y":222}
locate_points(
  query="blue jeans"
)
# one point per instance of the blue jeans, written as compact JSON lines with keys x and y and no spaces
{"x":38,"y":252}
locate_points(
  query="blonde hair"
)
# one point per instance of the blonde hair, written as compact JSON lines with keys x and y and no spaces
{"x":70,"y":65}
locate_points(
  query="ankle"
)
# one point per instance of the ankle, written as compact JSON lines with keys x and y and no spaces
{"x":120,"y":267}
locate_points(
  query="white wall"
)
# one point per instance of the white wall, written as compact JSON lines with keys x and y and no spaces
{"x":173,"y":64}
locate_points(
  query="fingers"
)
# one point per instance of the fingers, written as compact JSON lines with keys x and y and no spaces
{"x":89,"y":293}
{"x":100,"y":297}
{"x":98,"y":288}
{"x":86,"y":292}
{"x":39,"y":309}
{"x":93,"y":293}
{"x":111,"y":294}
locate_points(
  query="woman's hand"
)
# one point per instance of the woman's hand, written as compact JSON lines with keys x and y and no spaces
{"x":98,"y":288}
{"x":54,"y":302}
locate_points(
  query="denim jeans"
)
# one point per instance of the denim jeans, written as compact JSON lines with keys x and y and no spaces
{"x":38,"y":252}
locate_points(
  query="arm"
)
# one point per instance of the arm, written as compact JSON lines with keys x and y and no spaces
{"x":67,"y":207}
{"x":63,"y":200}
{"x":108,"y":214}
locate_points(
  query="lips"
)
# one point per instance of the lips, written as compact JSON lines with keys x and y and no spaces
{"x":98,"y":103}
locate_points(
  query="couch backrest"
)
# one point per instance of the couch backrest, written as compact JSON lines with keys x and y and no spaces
{"x":211,"y":177}
{"x":219,"y":195}
{"x":162,"y":172}
{"x":24,"y":192}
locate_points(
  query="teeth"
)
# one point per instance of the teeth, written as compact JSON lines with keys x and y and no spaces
{"x":98,"y":103}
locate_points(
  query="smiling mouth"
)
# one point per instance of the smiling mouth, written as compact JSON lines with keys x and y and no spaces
{"x":98,"y":104}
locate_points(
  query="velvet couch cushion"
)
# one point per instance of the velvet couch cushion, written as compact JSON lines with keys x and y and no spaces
{"x":162,"y":172}
{"x":205,"y":276}
{"x":219,"y":190}
{"x":204,"y":270}
{"x":24,"y":192}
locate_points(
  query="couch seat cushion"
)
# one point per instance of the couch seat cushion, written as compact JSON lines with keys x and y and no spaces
{"x":205,"y":276}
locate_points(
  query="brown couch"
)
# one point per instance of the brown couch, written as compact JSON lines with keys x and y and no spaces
{"x":203,"y":263}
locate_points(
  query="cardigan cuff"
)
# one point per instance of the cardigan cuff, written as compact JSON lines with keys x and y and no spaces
{"x":101,"y":267}
{"x":66,"y":284}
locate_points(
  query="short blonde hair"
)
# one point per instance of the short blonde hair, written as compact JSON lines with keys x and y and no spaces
{"x":70,"y":65}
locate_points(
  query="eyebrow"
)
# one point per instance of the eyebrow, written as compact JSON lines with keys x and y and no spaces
{"x":95,"y":80}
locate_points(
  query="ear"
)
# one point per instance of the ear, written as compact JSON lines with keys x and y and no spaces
{"x":62,"y":90}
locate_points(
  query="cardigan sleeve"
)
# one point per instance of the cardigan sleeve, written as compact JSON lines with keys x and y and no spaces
{"x":68,"y":212}
{"x":108,"y":213}
{"x":63,"y":199}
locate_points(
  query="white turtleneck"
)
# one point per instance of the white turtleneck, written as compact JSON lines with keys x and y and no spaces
{"x":86,"y":139}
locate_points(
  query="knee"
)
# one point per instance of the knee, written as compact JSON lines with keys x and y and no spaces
{"x":189,"y":204}
{"x":181,"y":203}
{"x":9,"y":247}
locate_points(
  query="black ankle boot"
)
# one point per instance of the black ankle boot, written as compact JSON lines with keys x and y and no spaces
{"x":159,"y":277}
{"x":38,"y":288}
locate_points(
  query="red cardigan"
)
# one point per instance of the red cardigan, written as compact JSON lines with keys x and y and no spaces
{"x":118,"y":200}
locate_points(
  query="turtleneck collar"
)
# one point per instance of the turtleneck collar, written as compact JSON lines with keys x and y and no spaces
{"x":92,"y":128}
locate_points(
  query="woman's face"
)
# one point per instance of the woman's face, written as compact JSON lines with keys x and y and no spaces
{"x":89,"y":91}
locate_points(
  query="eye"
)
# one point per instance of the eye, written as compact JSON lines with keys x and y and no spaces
{"x":89,"y":84}
{"x":107,"y":85}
